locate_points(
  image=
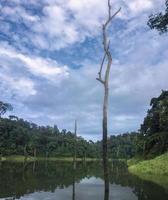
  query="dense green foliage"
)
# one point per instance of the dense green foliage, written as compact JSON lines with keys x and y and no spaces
{"x":19,"y":137}
{"x":154,"y":130}
{"x":158,"y":166}
{"x":155,"y":170}
{"x":123,"y":146}
{"x":159,"y":21}
{"x":4,"y":107}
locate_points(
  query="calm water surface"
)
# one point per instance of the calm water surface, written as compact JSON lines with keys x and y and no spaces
{"x":58,"y":181}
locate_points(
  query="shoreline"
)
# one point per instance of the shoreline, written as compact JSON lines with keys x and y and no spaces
{"x":154,"y":170}
{"x":19,"y":158}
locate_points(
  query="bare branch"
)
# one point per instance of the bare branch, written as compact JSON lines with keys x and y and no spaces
{"x":106,"y":45}
{"x":110,"y":17}
{"x":101,"y":81}
{"x":101,"y":67}
{"x":109,"y":5}
{"x":116,"y":13}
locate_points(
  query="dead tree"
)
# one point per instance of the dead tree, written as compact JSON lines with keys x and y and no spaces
{"x":74,"y":162}
{"x":104,"y":80}
{"x":75,"y":137}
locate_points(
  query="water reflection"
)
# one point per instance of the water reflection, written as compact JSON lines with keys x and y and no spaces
{"x":73,"y":184}
{"x":58,"y":180}
{"x":106,"y":187}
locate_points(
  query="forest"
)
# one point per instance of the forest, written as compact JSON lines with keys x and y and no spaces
{"x":20,"y":137}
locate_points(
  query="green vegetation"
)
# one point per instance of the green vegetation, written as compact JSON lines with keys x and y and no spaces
{"x":156,"y":166}
{"x":23,"y":138}
{"x":2,"y":159}
{"x":20,"y":137}
{"x":159,"y":21}
{"x":18,"y":158}
{"x":123,"y":146}
{"x":153,"y":141}
{"x":155,"y":170}
{"x":153,"y":137}
{"x":4,"y":107}
{"x":134,"y":160}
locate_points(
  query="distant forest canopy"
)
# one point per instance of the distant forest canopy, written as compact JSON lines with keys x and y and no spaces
{"x":20,"y":137}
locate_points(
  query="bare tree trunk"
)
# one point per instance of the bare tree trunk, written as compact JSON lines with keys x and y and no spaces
{"x":84,"y":159}
{"x":74,"y":161}
{"x":35,"y":152}
{"x":75,"y":136}
{"x":34,"y":166}
{"x":1,"y":157}
{"x":105,"y":82}
{"x":105,"y":147}
{"x":25,"y":154}
{"x":46,"y":156}
{"x":73,"y":186}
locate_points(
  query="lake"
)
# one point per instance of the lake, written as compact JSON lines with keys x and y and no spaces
{"x":59,"y":181}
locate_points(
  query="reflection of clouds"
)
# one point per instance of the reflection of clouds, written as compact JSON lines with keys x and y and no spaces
{"x":88,"y":189}
{"x":92,"y":180}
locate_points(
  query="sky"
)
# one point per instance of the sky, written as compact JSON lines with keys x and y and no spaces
{"x":50,"y":54}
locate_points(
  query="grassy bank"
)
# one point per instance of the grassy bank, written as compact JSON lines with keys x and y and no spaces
{"x":2,"y":159}
{"x":155,"y":170}
{"x":17,"y":158}
{"x":134,"y":161}
{"x":68,"y":159}
{"x":156,"y":166}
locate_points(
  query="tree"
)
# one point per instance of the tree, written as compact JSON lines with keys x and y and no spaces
{"x":105,"y":82}
{"x":75,"y":136}
{"x":155,"y":125}
{"x":4,"y":107}
{"x":159,"y":21}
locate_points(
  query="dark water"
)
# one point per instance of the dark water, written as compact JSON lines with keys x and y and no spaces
{"x":58,"y":181}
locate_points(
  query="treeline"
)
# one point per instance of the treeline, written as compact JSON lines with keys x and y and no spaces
{"x":20,"y":137}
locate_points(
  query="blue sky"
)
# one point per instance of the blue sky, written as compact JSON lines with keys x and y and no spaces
{"x":50,"y":53}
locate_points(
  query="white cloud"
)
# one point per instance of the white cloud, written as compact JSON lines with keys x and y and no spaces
{"x":21,"y":87}
{"x":58,"y":27}
{"x":67,"y":22}
{"x":88,"y":14}
{"x":18,"y":13}
{"x":138,"y":6}
{"x":38,"y":66}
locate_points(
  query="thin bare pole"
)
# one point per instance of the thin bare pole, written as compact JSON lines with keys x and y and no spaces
{"x":75,"y":136}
